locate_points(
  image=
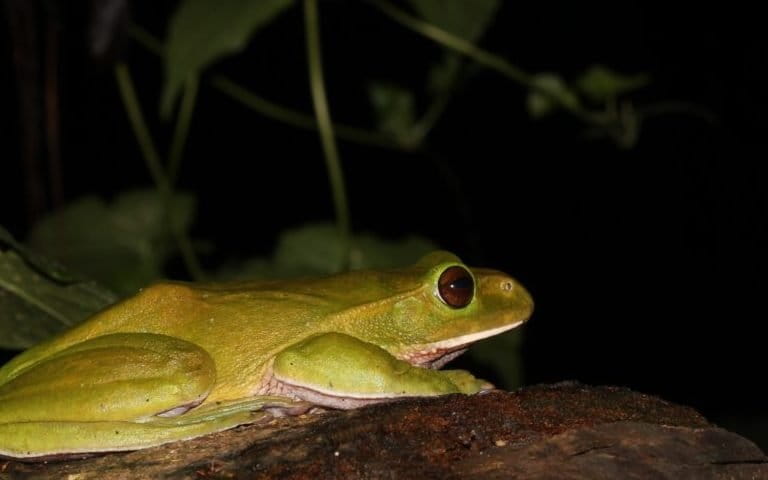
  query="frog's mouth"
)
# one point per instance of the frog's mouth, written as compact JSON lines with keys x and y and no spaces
{"x":435,"y":355}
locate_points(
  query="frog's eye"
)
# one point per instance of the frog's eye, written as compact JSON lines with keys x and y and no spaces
{"x":456,"y":287}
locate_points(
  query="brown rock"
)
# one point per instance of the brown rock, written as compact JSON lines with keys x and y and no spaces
{"x":565,"y":431}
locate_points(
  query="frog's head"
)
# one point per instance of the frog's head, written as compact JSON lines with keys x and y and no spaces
{"x":433,"y":310}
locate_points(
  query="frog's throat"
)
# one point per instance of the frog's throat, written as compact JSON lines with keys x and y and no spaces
{"x":436,"y":354}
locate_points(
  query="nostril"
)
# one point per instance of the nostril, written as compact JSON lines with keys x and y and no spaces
{"x":507,"y":286}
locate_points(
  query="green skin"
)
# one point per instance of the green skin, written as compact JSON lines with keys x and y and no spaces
{"x":178,"y":361}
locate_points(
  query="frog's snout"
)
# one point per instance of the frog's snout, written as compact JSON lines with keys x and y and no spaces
{"x":507,"y":294}
{"x":507,"y":285}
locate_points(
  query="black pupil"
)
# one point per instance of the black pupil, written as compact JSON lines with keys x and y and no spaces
{"x":463,"y":283}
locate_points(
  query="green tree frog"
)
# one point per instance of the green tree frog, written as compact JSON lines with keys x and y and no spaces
{"x":177,"y":360}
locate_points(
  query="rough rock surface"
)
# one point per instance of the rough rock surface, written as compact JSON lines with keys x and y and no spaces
{"x":567,"y":431}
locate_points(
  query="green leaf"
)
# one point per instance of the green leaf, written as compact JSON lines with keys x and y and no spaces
{"x":442,"y":74}
{"x":201,"y":32}
{"x":600,"y":84}
{"x":549,"y":93}
{"x":394,"y":109}
{"x":51,"y":268}
{"x":502,"y":355}
{"x":539,"y":105}
{"x":39,"y":298}
{"x":313,"y":249}
{"x":466,"y":18}
{"x":373,"y":252}
{"x":316,"y":249}
{"x":123,"y":245}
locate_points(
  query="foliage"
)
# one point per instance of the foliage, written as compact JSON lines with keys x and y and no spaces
{"x":500,"y":355}
{"x":468,"y":20}
{"x":551,"y":93}
{"x":39,"y":297}
{"x":124,"y":245}
{"x":315,"y":249}
{"x":601,"y":84}
{"x":129,"y":241}
{"x":198,"y":35}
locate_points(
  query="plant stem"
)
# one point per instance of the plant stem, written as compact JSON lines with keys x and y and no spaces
{"x":146,"y":40}
{"x":296,"y":118}
{"x":181,"y":131}
{"x":470,"y":50}
{"x":277,"y":112}
{"x":320,"y":102}
{"x":187,"y":251}
{"x":452,"y":41}
{"x":136,"y":119}
{"x":437,"y":106}
{"x":678,"y":108}
{"x":155,"y":166}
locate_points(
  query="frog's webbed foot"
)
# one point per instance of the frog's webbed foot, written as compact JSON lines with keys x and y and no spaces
{"x":272,"y":405}
{"x":340,"y":371}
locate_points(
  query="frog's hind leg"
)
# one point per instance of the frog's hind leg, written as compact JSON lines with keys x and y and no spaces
{"x":123,"y":376}
{"x":113,"y":383}
{"x":43,"y":440}
{"x":68,"y":438}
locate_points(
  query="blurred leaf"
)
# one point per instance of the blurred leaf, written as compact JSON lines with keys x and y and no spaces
{"x":442,"y":75}
{"x":201,"y":32}
{"x":550,"y":93}
{"x":502,"y":355}
{"x":539,"y":105}
{"x":315,"y":249}
{"x":51,"y":268}
{"x":466,"y":18}
{"x":39,"y":298}
{"x":601,"y":84}
{"x":123,"y":245}
{"x":372,"y":252}
{"x":394,"y":109}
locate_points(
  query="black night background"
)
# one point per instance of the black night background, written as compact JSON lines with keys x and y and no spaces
{"x":643,"y":244}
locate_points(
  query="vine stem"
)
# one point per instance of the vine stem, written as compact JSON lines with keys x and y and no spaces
{"x":469,"y":49}
{"x":296,"y":118}
{"x":181,"y":131}
{"x":453,"y":42}
{"x":325,"y":126}
{"x":139,"y":126}
{"x":155,"y":166}
{"x":269,"y":109}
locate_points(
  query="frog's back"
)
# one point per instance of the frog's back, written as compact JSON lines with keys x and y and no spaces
{"x":259,"y":316}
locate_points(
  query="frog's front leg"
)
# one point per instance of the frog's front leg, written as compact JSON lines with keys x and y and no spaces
{"x":341,"y":371}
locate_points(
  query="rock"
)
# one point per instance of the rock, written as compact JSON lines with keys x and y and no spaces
{"x":567,"y":431}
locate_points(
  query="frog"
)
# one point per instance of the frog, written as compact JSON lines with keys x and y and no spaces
{"x":180,"y":360}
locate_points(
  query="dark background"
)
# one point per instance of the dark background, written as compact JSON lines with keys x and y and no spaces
{"x":648,"y":265}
